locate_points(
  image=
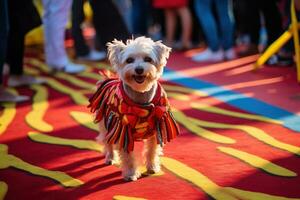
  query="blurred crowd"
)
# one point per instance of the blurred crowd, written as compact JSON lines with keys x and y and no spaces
{"x":225,"y":29}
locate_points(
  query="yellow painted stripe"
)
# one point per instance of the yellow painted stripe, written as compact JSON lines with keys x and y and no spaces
{"x":8,"y":160}
{"x":75,"y":81}
{"x":247,"y":195}
{"x":84,"y":119}
{"x":39,"y":108}
{"x":102,"y":65}
{"x":8,"y":113}
{"x":252,"y":131}
{"x":213,"y":109}
{"x":67,"y":77}
{"x":258,"y":162}
{"x":122,"y":197}
{"x":37,"y":63}
{"x":3,"y":189}
{"x":184,"y":90}
{"x":194,"y":128}
{"x":77,"y":143}
{"x":77,"y":97}
{"x":91,"y":75}
{"x":190,"y":175}
{"x":212,"y":189}
{"x":31,"y":71}
{"x":178,"y":96}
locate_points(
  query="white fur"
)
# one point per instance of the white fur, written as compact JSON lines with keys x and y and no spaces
{"x":139,"y":50}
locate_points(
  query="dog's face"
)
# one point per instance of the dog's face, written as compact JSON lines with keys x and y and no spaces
{"x":139,"y":62}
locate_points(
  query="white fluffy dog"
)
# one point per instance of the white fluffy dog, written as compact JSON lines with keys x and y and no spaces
{"x":134,"y":107}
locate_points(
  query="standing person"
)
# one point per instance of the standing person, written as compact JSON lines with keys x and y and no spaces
{"x":55,"y":18}
{"x":108,"y":22}
{"x":252,"y":20}
{"x":172,"y":8}
{"x":4,"y":24}
{"x":82,"y":50}
{"x":139,"y":17}
{"x":219,"y":33}
{"x":22,"y":17}
{"x":4,"y":95}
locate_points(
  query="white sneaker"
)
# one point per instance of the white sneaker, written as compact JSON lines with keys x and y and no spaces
{"x":209,"y":55}
{"x":73,"y":68}
{"x":93,"y":56}
{"x":230,"y":54}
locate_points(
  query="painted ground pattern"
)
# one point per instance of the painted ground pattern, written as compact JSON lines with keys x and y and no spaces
{"x":47,"y":148}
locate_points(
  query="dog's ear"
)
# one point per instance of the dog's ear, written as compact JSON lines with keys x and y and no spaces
{"x":162,"y":52}
{"x":114,"y":51}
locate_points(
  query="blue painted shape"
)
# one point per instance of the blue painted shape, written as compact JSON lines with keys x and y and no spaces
{"x":241,"y":101}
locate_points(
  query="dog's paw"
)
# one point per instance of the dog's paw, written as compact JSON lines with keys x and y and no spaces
{"x":133,"y":176}
{"x":153,"y":169}
{"x":110,"y":161}
{"x":130,"y":178}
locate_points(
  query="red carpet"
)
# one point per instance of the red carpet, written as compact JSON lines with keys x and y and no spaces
{"x":47,"y":148}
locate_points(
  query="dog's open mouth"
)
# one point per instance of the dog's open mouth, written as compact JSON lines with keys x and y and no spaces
{"x":139,"y":78}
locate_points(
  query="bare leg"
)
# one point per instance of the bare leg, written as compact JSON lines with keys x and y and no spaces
{"x":170,"y":26}
{"x":186,"y":23}
{"x":152,"y":152}
{"x":129,"y":166}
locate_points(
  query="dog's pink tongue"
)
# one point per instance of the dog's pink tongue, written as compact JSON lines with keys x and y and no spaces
{"x":139,"y":79}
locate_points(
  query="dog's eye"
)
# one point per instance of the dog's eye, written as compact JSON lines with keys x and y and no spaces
{"x":129,"y":60}
{"x":148,"y":59}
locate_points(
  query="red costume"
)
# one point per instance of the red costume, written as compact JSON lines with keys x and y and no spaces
{"x":127,"y":121}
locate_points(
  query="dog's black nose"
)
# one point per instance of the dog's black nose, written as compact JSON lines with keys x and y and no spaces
{"x":139,"y":70}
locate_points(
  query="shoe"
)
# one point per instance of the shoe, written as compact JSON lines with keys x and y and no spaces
{"x":229,"y":54}
{"x":21,"y":80}
{"x":93,"y":56}
{"x":208,"y":55}
{"x":6,"y":96}
{"x":71,"y":68}
{"x":251,"y":49}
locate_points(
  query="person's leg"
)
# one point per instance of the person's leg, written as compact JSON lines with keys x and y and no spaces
{"x":272,"y":18}
{"x":3,"y":35}
{"x":203,"y":9}
{"x":186,"y":24}
{"x":170,"y":23}
{"x":108,"y":22}
{"x":81,"y":49}
{"x":15,"y":42}
{"x":251,"y":21}
{"x":55,"y":19}
{"x":139,"y":15}
{"x":225,"y":16}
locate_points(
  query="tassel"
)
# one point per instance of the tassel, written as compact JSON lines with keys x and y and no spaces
{"x":130,"y":140}
{"x":125,"y":147}
{"x":174,"y":124}
{"x":122,"y":136}
{"x":159,"y":135}
{"x":162,"y":126}
{"x":109,"y":120}
{"x":112,"y":133}
{"x":170,"y":128}
{"x":97,"y":99}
